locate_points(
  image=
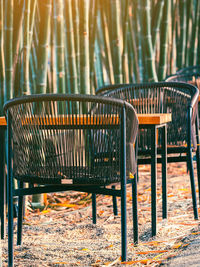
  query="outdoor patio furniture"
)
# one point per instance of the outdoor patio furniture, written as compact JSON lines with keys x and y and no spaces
{"x":179,"y":99}
{"x":189,"y":70}
{"x":70,"y":142}
{"x":191,"y":75}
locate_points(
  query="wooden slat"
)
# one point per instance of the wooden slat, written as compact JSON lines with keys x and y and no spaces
{"x":153,"y":119}
{"x":3,"y":121}
{"x":68,"y":120}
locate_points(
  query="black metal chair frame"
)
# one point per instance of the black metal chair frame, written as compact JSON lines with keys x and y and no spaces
{"x":118,"y":91}
{"x":90,"y":188}
{"x":189,"y":75}
{"x":188,"y":70}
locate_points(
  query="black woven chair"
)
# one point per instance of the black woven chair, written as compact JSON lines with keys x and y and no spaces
{"x":189,"y":70}
{"x":181,"y":101}
{"x":70,"y":142}
{"x":190,"y":75}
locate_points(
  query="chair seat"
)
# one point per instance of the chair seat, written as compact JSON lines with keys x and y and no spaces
{"x":71,"y":175}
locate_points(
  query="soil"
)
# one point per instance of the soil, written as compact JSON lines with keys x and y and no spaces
{"x":63,"y":233}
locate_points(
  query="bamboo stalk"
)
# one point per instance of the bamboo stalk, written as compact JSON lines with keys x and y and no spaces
{"x":75,"y":13}
{"x":104,"y":28}
{"x":148,"y":48}
{"x":173,"y":54}
{"x":33,"y":5}
{"x":100,"y":61}
{"x":8,"y":92}
{"x":17,"y":34}
{"x":53,"y":59}
{"x":134,"y":48}
{"x":43,"y":45}
{"x":93,"y":17}
{"x":32,"y":64}
{"x":84,"y":47}
{"x":164,"y":40}
{"x":71,"y":56}
{"x":182,"y":39}
{"x":2,"y":63}
{"x":137,"y":28}
{"x":194,"y":38}
{"x":26,"y":49}
{"x":116,"y":41}
{"x":125,"y":22}
{"x":59,"y":46}
{"x":156,"y":21}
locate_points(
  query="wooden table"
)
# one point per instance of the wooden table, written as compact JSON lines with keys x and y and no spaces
{"x":154,"y":122}
{"x":146,"y":121}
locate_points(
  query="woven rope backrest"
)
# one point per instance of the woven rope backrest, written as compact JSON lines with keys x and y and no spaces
{"x":66,"y":138}
{"x":189,"y":70}
{"x":159,"y":97}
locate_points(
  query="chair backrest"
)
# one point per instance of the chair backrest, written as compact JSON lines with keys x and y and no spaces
{"x":188,"y":77}
{"x":161,"y":97}
{"x":189,"y":70}
{"x":68,"y":138}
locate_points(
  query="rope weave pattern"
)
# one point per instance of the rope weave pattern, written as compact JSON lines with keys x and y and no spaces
{"x":69,"y":140}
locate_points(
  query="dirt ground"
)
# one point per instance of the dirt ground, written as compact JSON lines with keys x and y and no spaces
{"x":63,"y":234}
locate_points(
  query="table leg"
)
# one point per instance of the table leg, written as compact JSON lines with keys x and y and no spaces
{"x":164,"y":171}
{"x":2,"y":182}
{"x":153,"y":180}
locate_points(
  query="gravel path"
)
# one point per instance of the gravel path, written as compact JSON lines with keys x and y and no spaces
{"x":65,"y":236}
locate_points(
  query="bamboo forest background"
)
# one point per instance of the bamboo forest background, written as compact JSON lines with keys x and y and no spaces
{"x":76,"y":46}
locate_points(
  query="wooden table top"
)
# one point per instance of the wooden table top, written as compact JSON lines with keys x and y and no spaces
{"x":144,"y":119}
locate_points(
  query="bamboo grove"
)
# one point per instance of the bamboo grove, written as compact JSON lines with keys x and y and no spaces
{"x":76,"y":46}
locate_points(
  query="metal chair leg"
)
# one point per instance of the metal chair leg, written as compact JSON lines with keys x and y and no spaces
{"x":94,"y":209}
{"x":20,"y":216}
{"x":115,"y":211}
{"x":123,"y":189}
{"x":10,"y":197}
{"x":192,"y":182}
{"x":198,"y":155}
{"x":153,"y":181}
{"x":135,"y":210}
{"x":124,"y":225}
{"x":164,"y":172}
{"x":2,"y":183}
{"x":190,"y":165}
